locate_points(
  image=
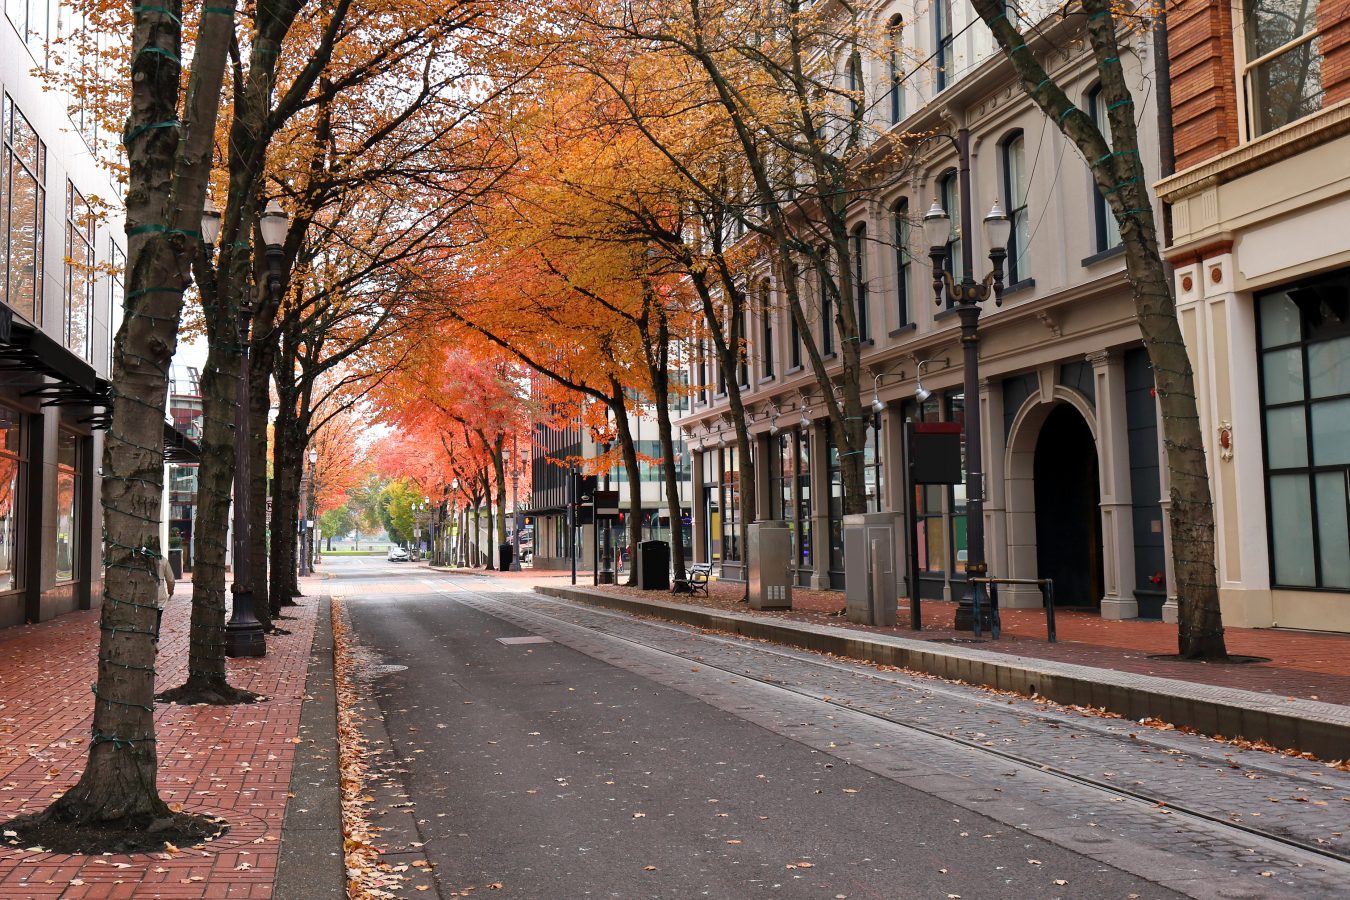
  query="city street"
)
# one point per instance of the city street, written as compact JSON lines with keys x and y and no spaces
{"x":543,"y":748}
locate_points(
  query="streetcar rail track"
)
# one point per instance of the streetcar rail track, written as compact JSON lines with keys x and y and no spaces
{"x":1152,"y":800}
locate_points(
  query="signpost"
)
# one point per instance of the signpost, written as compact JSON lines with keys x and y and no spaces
{"x":932,"y":456}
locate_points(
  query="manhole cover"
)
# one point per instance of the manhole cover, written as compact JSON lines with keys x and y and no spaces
{"x":528,"y":639}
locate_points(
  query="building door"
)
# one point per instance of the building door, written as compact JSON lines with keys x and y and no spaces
{"x":1068,"y":517}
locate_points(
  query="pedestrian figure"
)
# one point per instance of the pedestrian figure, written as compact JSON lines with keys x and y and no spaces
{"x":164,"y":593}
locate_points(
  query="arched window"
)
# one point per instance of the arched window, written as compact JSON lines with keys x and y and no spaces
{"x":1108,"y":229}
{"x":895,"y":29}
{"x":949,"y":195}
{"x":858,"y":250}
{"x":1015,"y":194}
{"x":902,"y":262}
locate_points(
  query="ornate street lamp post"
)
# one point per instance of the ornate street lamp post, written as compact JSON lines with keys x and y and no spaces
{"x":244,"y":633}
{"x":966,"y":298}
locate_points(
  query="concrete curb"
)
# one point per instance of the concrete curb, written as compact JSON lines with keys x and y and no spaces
{"x":1322,"y":729}
{"x":310,"y":863}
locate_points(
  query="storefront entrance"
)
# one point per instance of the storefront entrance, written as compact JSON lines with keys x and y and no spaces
{"x":1068,"y":516}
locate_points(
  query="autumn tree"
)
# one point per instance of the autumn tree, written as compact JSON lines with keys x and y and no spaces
{"x":786,"y":79}
{"x":167,"y":139}
{"x":1118,"y":172}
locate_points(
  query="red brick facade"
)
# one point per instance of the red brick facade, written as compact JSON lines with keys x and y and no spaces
{"x":1204,"y":90}
{"x":1205,"y":98}
{"x":1333,"y":21}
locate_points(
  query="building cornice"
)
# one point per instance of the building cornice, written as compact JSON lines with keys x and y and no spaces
{"x":1295,"y":138}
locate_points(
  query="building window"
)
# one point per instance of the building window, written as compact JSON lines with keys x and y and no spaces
{"x":949,"y":194}
{"x":1305,"y":403}
{"x":712,"y":509}
{"x":858,"y":250}
{"x":117,"y":263}
{"x":79,"y":271}
{"x":67,"y":504}
{"x":1283,"y":73}
{"x":766,"y":329}
{"x":942,"y":39}
{"x":794,"y":333}
{"x":835,"y":508}
{"x":1108,"y":229}
{"x":11,"y":482}
{"x":853,"y":84}
{"x":30,"y":21}
{"x":873,"y":484}
{"x":803,"y":437}
{"x":743,"y":348}
{"x":23,"y":164}
{"x":902,"y":263}
{"x":731,"y":505}
{"x":895,"y":72}
{"x":1015,"y":190}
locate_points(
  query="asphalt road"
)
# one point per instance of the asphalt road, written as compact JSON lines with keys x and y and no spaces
{"x":614,"y":757}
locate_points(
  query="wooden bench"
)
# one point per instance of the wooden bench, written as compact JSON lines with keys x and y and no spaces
{"x":698,"y":577}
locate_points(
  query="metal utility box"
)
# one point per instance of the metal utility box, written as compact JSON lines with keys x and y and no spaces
{"x":870,"y":568}
{"x":770,"y":565}
{"x":653,"y":566}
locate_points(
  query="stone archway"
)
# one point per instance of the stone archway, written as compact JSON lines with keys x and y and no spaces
{"x":1063,"y":530}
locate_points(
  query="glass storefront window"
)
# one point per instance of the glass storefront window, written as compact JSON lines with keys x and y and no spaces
{"x":804,"y":555}
{"x":11,"y":479}
{"x":731,"y":505}
{"x":1305,"y":403}
{"x":67,"y":504}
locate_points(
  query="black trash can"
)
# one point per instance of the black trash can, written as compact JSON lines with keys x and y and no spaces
{"x":654,"y":566}
{"x":176,"y":562}
{"x":504,"y":556}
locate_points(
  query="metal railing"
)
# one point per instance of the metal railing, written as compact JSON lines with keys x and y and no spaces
{"x":1047,"y":586}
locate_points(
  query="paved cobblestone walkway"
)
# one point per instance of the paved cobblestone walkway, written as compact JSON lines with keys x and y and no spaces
{"x":1198,"y":816}
{"x":234,"y":762}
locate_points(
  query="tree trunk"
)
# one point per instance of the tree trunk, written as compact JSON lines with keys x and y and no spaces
{"x":206,"y":681}
{"x":660,"y":378}
{"x":116,"y":793}
{"x":628,"y":447}
{"x":285,"y":514}
{"x":1119,"y":175}
{"x":260,"y":402}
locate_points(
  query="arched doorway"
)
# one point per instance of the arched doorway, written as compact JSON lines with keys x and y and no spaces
{"x":1068,"y":515}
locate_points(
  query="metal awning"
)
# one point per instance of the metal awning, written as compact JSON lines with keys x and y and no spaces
{"x":178,"y":447}
{"x":29,"y":357}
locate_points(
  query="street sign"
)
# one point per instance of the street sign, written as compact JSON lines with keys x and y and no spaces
{"x":936,"y":453}
{"x":607,"y":503}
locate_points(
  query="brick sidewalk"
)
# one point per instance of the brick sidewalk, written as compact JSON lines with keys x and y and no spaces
{"x":1312,"y":666}
{"x":231,"y":761}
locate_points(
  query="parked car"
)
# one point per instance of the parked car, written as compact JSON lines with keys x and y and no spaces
{"x":397,"y":554}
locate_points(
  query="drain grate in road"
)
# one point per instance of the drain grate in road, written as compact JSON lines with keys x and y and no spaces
{"x":527,"y":639}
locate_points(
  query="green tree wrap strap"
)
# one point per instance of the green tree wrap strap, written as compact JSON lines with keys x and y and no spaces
{"x":157,"y":9}
{"x":137,"y":132}
{"x":160,"y":51}
{"x":153,"y":290}
{"x":147,"y":228}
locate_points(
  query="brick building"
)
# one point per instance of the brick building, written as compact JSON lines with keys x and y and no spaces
{"x":1259,"y":210}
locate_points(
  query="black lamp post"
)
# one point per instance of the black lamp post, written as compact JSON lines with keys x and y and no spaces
{"x":244,"y":633}
{"x":307,"y":489}
{"x":966,"y":298}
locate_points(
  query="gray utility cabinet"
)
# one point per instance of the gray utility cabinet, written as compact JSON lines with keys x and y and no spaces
{"x":870,"y":570}
{"x":770,"y":565}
